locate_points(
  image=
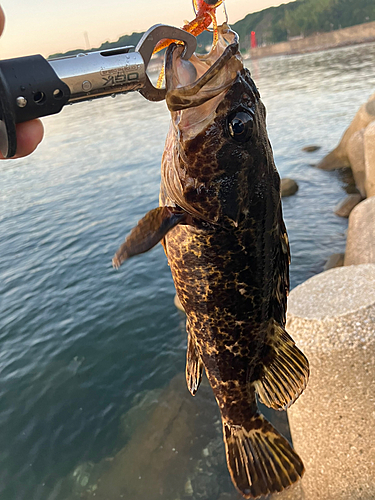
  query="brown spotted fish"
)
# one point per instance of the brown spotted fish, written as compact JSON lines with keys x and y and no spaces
{"x":221,"y":225}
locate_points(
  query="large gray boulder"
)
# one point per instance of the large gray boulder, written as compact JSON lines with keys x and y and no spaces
{"x":369,"y":149}
{"x":332,"y":319}
{"x":338,"y":158}
{"x":360,"y":244}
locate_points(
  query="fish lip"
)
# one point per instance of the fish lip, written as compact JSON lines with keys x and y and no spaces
{"x":182,"y":97}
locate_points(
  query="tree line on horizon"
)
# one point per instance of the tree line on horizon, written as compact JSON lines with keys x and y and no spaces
{"x":303,"y":18}
{"x":277,"y":24}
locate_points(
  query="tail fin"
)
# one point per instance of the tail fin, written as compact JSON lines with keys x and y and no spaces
{"x":260,"y":460}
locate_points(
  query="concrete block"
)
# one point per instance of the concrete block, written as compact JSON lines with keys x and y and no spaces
{"x":369,"y":149}
{"x":332,"y":319}
{"x":345,"y":206}
{"x":338,"y":158}
{"x":356,"y":155}
{"x":335,"y":260}
{"x":360,"y":243}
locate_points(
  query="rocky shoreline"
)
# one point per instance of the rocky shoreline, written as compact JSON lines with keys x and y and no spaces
{"x":353,"y":35}
{"x":356,"y":153}
{"x":331,"y":317}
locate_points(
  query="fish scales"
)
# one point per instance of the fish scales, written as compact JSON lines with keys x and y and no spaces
{"x":223,"y":233}
{"x":226,"y":285}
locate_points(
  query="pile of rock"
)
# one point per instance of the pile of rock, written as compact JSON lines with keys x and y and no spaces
{"x":356,"y":151}
{"x":332,"y":318}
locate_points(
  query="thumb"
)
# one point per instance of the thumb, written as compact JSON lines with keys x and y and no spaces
{"x":2,"y":20}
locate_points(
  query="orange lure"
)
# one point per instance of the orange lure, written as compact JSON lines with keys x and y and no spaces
{"x":205,"y":15}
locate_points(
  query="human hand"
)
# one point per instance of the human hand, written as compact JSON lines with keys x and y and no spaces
{"x":29,"y":134}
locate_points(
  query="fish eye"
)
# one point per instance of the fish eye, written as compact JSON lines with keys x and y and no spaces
{"x":240,"y":126}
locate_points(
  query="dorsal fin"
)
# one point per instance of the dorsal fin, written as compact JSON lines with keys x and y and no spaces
{"x":148,"y":232}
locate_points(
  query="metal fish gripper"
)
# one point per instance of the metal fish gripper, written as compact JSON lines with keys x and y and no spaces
{"x":33,"y":87}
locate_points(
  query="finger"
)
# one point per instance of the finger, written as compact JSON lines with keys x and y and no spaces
{"x":29,"y":135}
{"x":2,"y":20}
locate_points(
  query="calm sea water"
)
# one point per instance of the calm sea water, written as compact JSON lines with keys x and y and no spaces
{"x":87,"y":353}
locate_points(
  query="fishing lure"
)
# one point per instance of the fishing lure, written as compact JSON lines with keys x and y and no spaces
{"x":205,"y":15}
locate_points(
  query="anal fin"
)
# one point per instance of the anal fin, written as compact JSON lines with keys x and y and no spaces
{"x":285,"y":377}
{"x":260,"y":460}
{"x":148,"y":232}
{"x":194,"y":366}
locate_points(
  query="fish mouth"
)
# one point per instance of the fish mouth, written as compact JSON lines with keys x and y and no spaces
{"x":195,"y":87}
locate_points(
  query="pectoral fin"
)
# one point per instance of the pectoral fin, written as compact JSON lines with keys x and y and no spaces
{"x":148,"y":232}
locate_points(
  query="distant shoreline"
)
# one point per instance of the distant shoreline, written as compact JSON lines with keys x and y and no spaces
{"x":354,"y":35}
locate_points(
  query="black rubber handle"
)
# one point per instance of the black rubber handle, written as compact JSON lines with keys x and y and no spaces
{"x":29,"y":88}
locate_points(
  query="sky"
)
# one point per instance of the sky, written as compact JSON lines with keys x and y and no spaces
{"x":49,"y":26}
